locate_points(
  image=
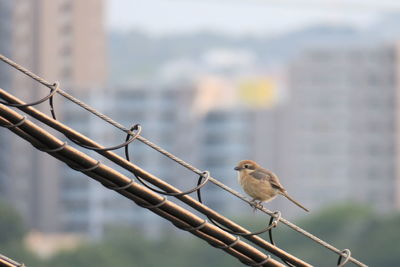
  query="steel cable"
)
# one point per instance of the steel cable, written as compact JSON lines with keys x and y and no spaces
{"x":171,"y":156}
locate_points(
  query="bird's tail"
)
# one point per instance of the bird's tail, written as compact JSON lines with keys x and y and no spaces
{"x":294,"y":201}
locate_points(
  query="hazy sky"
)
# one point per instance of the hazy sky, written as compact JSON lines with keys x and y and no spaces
{"x":240,"y":16}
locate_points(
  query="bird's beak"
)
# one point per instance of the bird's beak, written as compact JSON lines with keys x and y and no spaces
{"x":237,"y":168}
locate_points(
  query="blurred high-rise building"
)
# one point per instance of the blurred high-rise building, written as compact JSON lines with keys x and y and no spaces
{"x":5,"y":47}
{"x":61,"y":41}
{"x":342,"y":126}
{"x":5,"y":39}
{"x":224,"y":140}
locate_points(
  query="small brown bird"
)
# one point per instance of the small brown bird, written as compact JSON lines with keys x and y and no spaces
{"x":261,"y":184}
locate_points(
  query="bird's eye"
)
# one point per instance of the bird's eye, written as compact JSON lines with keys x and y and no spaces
{"x":246,"y":166}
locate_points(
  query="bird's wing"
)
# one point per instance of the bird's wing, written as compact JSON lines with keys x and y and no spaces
{"x":263,"y":174}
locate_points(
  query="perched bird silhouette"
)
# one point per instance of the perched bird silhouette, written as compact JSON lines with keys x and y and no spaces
{"x":261,"y":184}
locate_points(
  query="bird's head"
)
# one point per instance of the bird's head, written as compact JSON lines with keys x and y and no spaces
{"x":246,"y":165}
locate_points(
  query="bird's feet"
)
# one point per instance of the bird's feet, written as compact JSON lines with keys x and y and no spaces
{"x":255,"y":204}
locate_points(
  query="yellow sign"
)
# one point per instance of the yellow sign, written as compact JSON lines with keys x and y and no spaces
{"x":258,"y":92}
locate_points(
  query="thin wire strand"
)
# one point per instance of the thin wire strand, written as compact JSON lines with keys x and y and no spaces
{"x":173,"y":157}
{"x":97,"y":113}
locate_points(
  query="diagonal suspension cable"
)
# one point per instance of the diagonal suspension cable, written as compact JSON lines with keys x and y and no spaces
{"x":176,"y":159}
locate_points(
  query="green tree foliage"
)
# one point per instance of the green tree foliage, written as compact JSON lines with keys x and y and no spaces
{"x":12,"y":232}
{"x":125,"y":247}
{"x":11,"y":226}
{"x":372,"y":238}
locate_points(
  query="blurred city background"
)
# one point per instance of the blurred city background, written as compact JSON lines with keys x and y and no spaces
{"x":309,"y":89}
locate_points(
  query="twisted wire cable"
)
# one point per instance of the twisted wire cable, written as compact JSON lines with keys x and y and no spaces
{"x":7,"y":262}
{"x":175,"y":158}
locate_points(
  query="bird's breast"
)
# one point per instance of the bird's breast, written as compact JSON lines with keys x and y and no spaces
{"x":257,"y":189}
